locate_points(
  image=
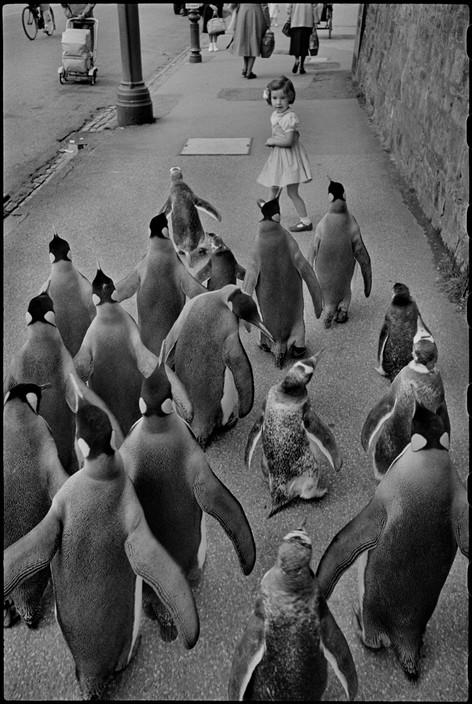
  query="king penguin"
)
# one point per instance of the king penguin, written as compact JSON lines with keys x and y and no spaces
{"x":187,"y":231}
{"x":404,"y":541}
{"x":387,"y":428}
{"x":177,"y":488}
{"x":294,"y":439}
{"x":278,"y":265}
{"x":337,"y":246}
{"x":204,"y":353}
{"x":291,"y":636}
{"x":112,"y":357}
{"x":161,"y":283}
{"x":100,"y":547}
{"x":222,"y":268}
{"x":71,"y":294}
{"x":32,"y":474}
{"x":401,"y":324}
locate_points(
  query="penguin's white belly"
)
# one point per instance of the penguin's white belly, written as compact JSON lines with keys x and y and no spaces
{"x":230,"y":398}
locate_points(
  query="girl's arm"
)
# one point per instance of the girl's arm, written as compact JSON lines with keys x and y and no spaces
{"x":286,"y":140}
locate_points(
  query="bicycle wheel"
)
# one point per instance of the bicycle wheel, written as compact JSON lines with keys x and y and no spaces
{"x":50,"y":25}
{"x":30,"y":25}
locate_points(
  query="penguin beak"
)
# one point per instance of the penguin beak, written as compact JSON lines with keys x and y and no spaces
{"x":263,"y":329}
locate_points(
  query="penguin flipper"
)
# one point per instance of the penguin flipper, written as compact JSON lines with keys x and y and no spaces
{"x":167,"y":207}
{"x":127,"y":286}
{"x":460,"y":514}
{"x":360,"y":534}
{"x":314,"y":247}
{"x":180,"y":396}
{"x":252,"y":275}
{"x":361,"y":255}
{"x":83,"y":361}
{"x":336,"y":651}
{"x":376,"y":417}
{"x":320,"y":434}
{"x":215,"y":498}
{"x":237,"y":361}
{"x":191,"y":285}
{"x":248,"y":654}
{"x":207,"y":208}
{"x":253,"y":438}
{"x":382,"y":341}
{"x":31,"y":553}
{"x":149,"y":560}
{"x":308,"y":275}
{"x":86,"y":293}
{"x":146,"y":360}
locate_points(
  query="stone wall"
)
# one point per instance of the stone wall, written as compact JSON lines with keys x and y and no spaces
{"x":411,"y":66}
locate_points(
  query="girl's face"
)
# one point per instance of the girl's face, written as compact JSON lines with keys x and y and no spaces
{"x":279,"y":100}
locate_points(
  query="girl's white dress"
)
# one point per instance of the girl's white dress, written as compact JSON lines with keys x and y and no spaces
{"x":285,"y":165}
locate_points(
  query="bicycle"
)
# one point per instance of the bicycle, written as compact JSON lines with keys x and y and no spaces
{"x":32,"y":19}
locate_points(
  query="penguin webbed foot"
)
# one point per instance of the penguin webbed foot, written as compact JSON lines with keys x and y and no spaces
{"x":328,"y":321}
{"x":341,"y":316}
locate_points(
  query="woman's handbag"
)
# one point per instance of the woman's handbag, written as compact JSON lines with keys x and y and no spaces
{"x":267,"y":44}
{"x":216,"y":25}
{"x":286,"y":29}
{"x":314,"y":43}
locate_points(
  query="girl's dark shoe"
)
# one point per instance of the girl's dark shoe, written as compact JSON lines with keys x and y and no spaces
{"x":295,"y":67}
{"x":302,"y":69}
{"x":243,"y":72}
{"x":251,"y":75}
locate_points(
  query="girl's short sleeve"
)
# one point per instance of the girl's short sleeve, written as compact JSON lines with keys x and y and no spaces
{"x":289,"y":122}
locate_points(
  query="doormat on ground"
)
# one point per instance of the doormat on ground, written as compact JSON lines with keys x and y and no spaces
{"x":217,"y":145}
{"x":324,"y":85}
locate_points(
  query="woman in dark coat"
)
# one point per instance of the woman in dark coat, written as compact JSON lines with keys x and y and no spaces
{"x":252,"y":20}
{"x":303,"y":16}
{"x":207,"y":11}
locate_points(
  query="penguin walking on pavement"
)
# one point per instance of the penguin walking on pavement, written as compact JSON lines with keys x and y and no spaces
{"x":337,"y":246}
{"x":177,"y":488}
{"x":405,"y":541}
{"x":401,"y":324}
{"x":222,"y":268}
{"x":294,"y":439}
{"x":204,"y":354}
{"x":100,"y":548}
{"x":387,"y":428}
{"x":291,"y":635}
{"x":32,"y":474}
{"x":112,"y":357}
{"x":161,"y":283}
{"x":276,"y":273}
{"x":71,"y":294}
{"x":183,"y":205}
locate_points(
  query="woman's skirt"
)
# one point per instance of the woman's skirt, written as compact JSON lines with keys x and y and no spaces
{"x":300,"y":40}
{"x":249,"y":28}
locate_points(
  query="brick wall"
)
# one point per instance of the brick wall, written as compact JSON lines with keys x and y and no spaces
{"x":411,"y":66}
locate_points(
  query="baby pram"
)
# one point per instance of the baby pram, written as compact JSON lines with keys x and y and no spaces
{"x":79,"y":50}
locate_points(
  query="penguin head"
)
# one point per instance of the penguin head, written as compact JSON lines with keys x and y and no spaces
{"x":27,"y":393}
{"x":216,"y":243}
{"x":102,"y":288}
{"x":428,"y":430}
{"x":41,"y":310}
{"x":176,"y":174}
{"x":400,"y":294}
{"x":156,"y":394}
{"x":295,"y":381}
{"x":244,"y":307}
{"x":425,"y":352}
{"x":58,"y":249}
{"x":336,"y":191}
{"x":294,"y":552}
{"x":270,"y":209}
{"x":159,"y":226}
{"x":93,"y":431}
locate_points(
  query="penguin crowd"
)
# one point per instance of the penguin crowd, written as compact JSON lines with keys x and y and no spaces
{"x":108,"y":482}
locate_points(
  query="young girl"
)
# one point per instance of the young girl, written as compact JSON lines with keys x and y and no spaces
{"x":288,"y":163}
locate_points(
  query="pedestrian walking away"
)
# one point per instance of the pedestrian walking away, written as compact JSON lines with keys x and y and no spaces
{"x":252,"y":20}
{"x":303,"y":18}
{"x":208,"y":11}
{"x":288,"y":163}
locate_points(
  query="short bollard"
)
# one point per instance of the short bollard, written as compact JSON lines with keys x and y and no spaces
{"x":193,"y":15}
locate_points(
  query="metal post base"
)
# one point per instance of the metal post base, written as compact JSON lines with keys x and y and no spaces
{"x":133,"y":106}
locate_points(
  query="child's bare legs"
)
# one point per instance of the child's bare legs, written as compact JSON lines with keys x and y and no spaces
{"x":300,"y":207}
{"x":275,"y":192}
{"x":248,"y":65}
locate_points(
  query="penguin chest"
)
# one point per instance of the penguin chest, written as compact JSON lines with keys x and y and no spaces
{"x":293,"y":665}
{"x":281,"y":313}
{"x":285,"y":443}
{"x":334,"y":264}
